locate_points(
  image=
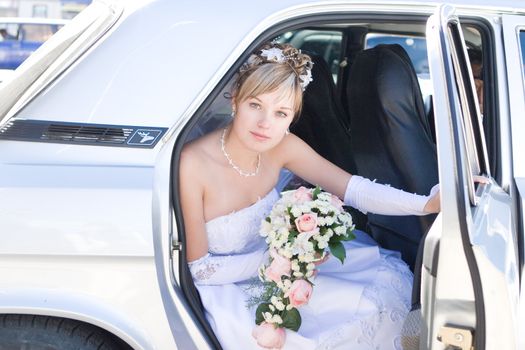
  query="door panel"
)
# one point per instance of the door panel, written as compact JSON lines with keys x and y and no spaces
{"x":514,"y":40}
{"x":475,"y":277}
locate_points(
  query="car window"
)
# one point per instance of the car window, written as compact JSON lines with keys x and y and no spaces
{"x":8,"y":31}
{"x":473,"y":134}
{"x":324,"y":43}
{"x":37,"y":32}
{"x":19,"y":40}
{"x":416,"y":48}
{"x":56,"y":55}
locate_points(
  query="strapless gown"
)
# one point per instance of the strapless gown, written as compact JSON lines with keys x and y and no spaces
{"x":360,"y":304}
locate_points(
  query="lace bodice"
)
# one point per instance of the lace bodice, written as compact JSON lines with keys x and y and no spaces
{"x":238,"y":232}
{"x":234,"y":240}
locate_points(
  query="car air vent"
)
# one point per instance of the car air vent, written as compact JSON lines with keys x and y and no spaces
{"x":84,"y":134}
{"x":76,"y":133}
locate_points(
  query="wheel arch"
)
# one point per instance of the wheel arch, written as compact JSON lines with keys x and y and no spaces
{"x":81,"y":308}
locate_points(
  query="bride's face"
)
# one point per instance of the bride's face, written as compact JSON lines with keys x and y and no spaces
{"x":261,"y":121}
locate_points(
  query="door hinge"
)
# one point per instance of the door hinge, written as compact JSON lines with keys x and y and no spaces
{"x":456,"y":338}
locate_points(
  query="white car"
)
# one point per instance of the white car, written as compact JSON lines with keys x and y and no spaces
{"x":92,"y":243}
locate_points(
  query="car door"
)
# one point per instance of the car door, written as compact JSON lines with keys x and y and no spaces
{"x":514,"y":41}
{"x":469,"y":274}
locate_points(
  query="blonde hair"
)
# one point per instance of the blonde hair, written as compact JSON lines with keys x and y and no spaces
{"x":259,"y":75}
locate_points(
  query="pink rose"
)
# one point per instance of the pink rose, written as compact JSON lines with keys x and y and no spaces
{"x":336,"y":202}
{"x":306,"y":222}
{"x":301,"y":195}
{"x":280,"y":266}
{"x":268,"y":336}
{"x":299,"y":293}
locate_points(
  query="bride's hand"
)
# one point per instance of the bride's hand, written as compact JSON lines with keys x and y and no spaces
{"x":434,"y":203}
{"x":320,"y":261}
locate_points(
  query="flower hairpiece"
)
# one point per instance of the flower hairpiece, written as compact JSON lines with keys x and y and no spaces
{"x":277,"y":55}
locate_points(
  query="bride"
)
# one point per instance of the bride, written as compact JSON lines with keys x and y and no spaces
{"x":360,"y":304}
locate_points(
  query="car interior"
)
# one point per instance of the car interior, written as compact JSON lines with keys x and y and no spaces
{"x":369,"y":111}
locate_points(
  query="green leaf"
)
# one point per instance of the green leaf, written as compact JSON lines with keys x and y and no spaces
{"x":316,"y":192}
{"x":268,"y":219}
{"x":291,"y":319}
{"x":264,"y":307}
{"x":349,"y":235}
{"x":338,"y":250}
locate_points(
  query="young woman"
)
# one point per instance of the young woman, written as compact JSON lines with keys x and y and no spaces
{"x":356,"y":305}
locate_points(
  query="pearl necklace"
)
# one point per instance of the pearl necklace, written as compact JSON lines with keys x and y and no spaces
{"x":232,"y":164}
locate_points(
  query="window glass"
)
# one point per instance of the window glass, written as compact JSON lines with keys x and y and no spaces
{"x":472,"y":127}
{"x":8,"y":31}
{"x":37,"y":32}
{"x":522,"y":46}
{"x":416,"y":48}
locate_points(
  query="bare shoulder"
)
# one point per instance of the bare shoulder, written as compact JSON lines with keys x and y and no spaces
{"x":196,"y":156}
{"x":289,"y":148}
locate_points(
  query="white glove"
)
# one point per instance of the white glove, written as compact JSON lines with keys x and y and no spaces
{"x":368,"y":196}
{"x":224,"y":269}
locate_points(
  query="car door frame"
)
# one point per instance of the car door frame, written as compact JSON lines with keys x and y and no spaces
{"x":459,"y":262}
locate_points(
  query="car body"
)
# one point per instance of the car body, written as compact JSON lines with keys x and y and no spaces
{"x":92,"y":125}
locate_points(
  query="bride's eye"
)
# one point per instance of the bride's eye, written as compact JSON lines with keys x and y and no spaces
{"x":282,"y":114}
{"x":255,"y":105}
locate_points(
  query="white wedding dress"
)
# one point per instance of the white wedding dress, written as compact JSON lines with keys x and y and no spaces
{"x":360,"y":304}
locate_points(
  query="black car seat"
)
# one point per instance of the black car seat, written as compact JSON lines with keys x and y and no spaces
{"x":391,"y":139}
{"x":322,"y":123}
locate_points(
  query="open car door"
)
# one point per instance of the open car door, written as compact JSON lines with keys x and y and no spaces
{"x":469,"y":279}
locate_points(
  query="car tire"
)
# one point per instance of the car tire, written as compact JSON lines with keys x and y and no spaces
{"x":32,"y":332}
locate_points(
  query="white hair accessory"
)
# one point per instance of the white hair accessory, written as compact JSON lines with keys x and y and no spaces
{"x":275,"y":54}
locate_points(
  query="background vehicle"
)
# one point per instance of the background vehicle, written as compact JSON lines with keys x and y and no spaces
{"x":19,"y":37}
{"x":91,"y":225}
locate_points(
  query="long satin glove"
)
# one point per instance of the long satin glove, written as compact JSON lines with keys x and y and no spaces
{"x":223,"y":269}
{"x":368,"y":196}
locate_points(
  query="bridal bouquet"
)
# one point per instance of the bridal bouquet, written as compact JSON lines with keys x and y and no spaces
{"x":303,"y":225}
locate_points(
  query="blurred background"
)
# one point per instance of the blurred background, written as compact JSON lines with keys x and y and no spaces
{"x":27,"y":24}
{"x":59,"y":9}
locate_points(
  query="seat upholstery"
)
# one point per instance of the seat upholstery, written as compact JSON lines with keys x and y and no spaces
{"x":391,"y":139}
{"x":322,"y":123}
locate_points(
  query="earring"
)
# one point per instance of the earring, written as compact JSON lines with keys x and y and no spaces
{"x":233,"y":113}
{"x":287,"y":132}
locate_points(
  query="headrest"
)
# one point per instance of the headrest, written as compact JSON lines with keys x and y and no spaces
{"x":391,"y":133}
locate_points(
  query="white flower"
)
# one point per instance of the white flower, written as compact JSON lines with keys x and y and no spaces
{"x":306,"y":78}
{"x":296,"y":211}
{"x":305,"y":208}
{"x":324,"y":196}
{"x":277,"y":302}
{"x":277,"y":319}
{"x":274,"y":54}
{"x":307,"y":257}
{"x":340,"y":230}
{"x":298,"y":274}
{"x":302,"y":245}
{"x":323,"y":244}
